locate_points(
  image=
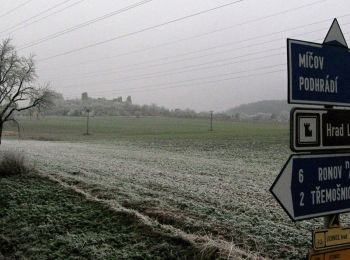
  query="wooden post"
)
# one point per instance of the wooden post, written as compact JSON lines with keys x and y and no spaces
{"x":211,"y":120}
{"x":87,"y":121}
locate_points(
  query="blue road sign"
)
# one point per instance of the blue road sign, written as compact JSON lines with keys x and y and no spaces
{"x":318,"y":73}
{"x":311,"y":186}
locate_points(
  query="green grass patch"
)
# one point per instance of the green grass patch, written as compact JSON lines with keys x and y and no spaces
{"x":111,"y":128}
{"x":41,"y":220}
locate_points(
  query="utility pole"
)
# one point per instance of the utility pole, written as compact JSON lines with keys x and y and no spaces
{"x":211,"y":120}
{"x":87,"y":121}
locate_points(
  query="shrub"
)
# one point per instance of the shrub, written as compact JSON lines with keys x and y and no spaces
{"x":12,"y":163}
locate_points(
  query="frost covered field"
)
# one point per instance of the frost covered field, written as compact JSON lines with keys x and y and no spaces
{"x":210,"y":184}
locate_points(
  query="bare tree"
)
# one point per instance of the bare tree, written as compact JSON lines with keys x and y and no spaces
{"x":17,"y":89}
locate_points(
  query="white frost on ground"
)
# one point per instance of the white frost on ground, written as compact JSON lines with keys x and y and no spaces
{"x":208,"y":194}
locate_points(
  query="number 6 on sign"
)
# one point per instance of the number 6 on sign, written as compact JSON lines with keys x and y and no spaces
{"x":301,"y":176}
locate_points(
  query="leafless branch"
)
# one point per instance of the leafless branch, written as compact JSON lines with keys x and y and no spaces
{"x":17,"y":89}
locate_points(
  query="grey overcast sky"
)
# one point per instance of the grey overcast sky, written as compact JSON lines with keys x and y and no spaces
{"x":198,"y":54}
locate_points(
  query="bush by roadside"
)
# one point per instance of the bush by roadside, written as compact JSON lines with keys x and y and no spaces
{"x":14,"y":163}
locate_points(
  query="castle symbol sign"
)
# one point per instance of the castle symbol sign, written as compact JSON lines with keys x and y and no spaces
{"x":320,"y":129}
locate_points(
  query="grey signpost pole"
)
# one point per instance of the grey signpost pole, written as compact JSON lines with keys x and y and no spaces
{"x":334,"y":37}
{"x":331,"y":221}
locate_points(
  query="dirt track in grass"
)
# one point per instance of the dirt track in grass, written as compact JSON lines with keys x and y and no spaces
{"x":40,"y":219}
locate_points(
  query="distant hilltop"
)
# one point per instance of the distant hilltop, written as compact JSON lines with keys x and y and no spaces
{"x":262,"y":110}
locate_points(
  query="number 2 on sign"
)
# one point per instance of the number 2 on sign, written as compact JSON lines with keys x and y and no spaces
{"x":301,"y":199}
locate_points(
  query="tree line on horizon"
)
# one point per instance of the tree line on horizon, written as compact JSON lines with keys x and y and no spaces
{"x":257,"y":111}
{"x":109,"y":107}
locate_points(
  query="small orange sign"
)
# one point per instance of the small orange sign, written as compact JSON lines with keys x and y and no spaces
{"x":317,"y":257}
{"x":341,"y":254}
{"x":331,"y":238}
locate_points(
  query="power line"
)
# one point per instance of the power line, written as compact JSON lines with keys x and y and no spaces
{"x":202,"y":83}
{"x":133,"y":90}
{"x":221,"y":52}
{"x":189,"y":68}
{"x":179,"y":19}
{"x":203,"y":78}
{"x":193,"y":67}
{"x":47,"y":16}
{"x":265,"y":17}
{"x":141,"y":31}
{"x":55,"y":35}
{"x":206,"y":49}
{"x":182,"y":71}
{"x":91,"y":74}
{"x":147,"y":75}
{"x":172,"y":72}
{"x":32,"y":17}
{"x":147,"y":87}
{"x":15,"y":8}
{"x":82,"y":25}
